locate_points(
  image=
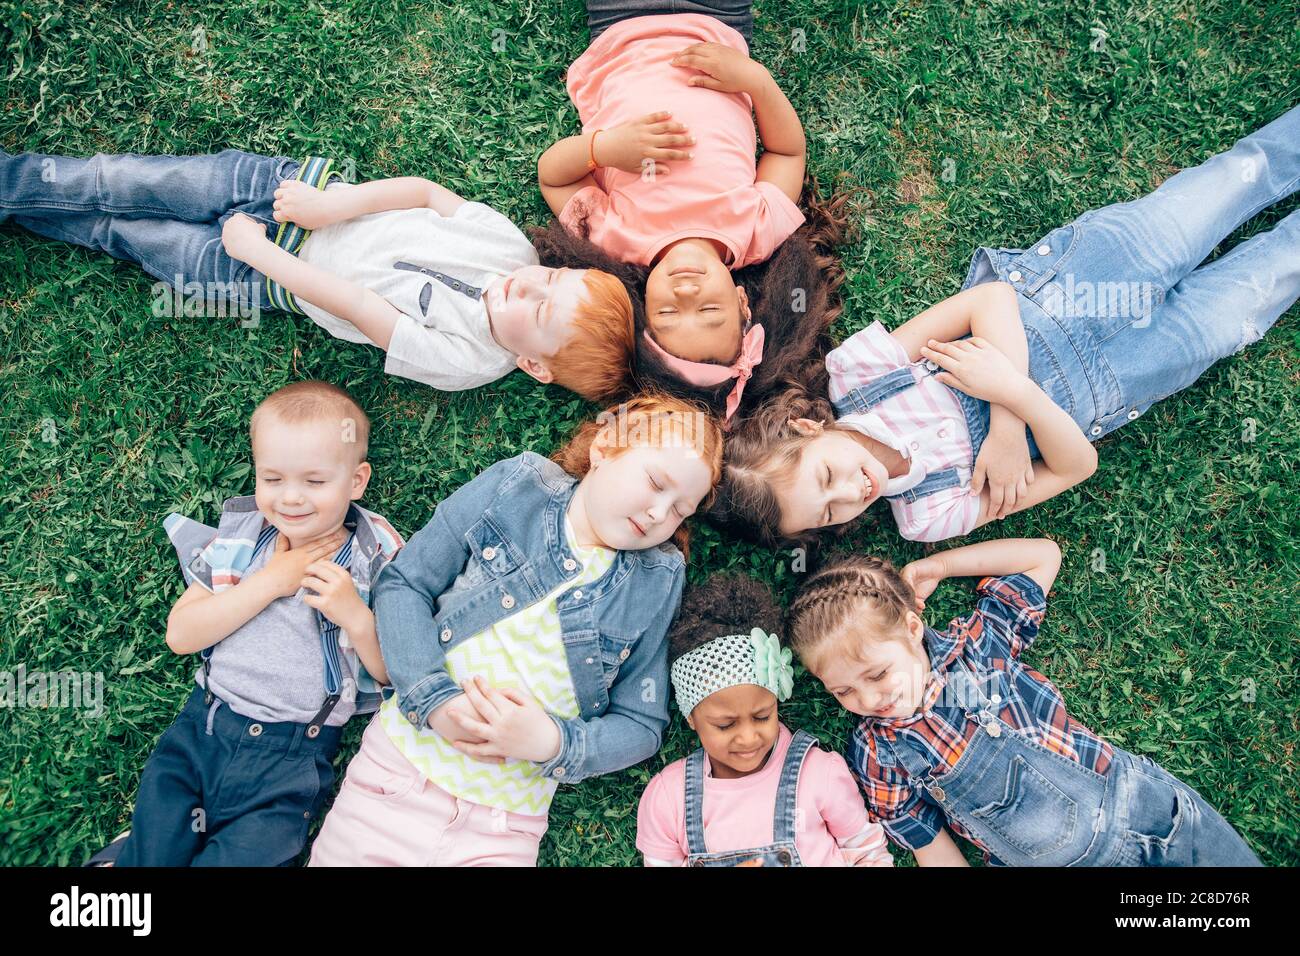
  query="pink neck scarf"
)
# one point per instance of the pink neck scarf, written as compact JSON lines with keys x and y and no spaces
{"x":706,"y":374}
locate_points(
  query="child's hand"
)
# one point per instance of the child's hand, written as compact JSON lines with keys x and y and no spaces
{"x":722,"y":68}
{"x":286,"y":568}
{"x":653,"y":136}
{"x":514,"y":725}
{"x":335,"y":595}
{"x":976,"y":367}
{"x":305,"y":205}
{"x":924,"y":576}
{"x":445,"y":721}
{"x":1004,"y":463}
{"x":240,"y":235}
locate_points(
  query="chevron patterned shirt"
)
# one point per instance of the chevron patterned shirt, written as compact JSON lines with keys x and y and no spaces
{"x":524,"y":651}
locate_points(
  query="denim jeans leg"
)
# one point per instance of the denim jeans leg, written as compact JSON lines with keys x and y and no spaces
{"x":187,"y":188}
{"x":1159,"y":239}
{"x":603,"y":14}
{"x":1217,"y":310}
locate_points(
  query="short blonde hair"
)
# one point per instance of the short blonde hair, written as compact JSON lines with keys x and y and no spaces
{"x":315,"y":401}
{"x":596,"y":362}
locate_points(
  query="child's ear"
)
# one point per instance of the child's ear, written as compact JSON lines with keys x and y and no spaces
{"x":599,"y":450}
{"x":807,"y":427}
{"x":742,"y":298}
{"x":690,"y":721}
{"x":915,"y":628}
{"x":360,"y":479}
{"x":536,"y":369}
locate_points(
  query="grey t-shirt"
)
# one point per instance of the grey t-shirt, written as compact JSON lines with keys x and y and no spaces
{"x":272,"y":669}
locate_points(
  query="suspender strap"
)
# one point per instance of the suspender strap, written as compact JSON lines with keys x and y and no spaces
{"x":695,"y":803}
{"x":314,"y":171}
{"x":865,"y":397}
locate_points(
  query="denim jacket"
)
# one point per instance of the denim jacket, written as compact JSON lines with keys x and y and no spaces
{"x":497,"y":545}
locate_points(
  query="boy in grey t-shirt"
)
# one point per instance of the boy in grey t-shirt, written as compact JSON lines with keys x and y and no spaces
{"x":278,"y":605}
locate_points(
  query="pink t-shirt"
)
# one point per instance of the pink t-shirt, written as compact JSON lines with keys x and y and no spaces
{"x":925,"y":424}
{"x":627,"y":73}
{"x":738,"y":812}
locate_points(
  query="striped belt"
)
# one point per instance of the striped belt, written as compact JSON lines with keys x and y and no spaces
{"x":315,"y":171}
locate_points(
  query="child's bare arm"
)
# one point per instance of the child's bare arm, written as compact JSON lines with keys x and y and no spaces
{"x":980,"y":370}
{"x":245,"y":240}
{"x":314,"y":208}
{"x":641,"y":146}
{"x":941,"y":851}
{"x":200,"y":618}
{"x":1040,"y":558}
{"x":785,"y":147}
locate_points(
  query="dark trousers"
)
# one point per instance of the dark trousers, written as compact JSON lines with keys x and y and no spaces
{"x":603,"y":14}
{"x":224,"y":790}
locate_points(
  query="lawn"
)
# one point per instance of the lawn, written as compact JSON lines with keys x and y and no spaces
{"x":1171,"y":627}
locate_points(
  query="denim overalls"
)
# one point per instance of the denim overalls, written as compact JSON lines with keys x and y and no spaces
{"x":781,"y":851}
{"x":1117,"y":314}
{"x":1029,"y":806}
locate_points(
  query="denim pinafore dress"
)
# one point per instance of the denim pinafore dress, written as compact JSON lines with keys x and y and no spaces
{"x":781,"y":851}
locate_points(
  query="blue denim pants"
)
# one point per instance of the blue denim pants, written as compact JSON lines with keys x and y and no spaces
{"x":225,"y":790}
{"x":1030,"y":806}
{"x":1119,"y":310}
{"x":163,"y":212}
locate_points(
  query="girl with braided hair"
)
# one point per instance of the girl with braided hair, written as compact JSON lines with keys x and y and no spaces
{"x":958,"y":733}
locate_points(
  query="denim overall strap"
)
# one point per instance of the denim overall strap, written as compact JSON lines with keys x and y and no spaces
{"x":314,"y":171}
{"x":1025,"y":804}
{"x":695,"y":804}
{"x":865,"y":397}
{"x":784,"y":818}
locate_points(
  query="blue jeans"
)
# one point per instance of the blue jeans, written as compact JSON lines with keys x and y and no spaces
{"x":163,"y":212}
{"x":1119,"y":311}
{"x":1031,"y":806}
{"x":603,"y":14}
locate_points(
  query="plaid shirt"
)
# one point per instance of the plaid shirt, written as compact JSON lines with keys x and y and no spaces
{"x":987,"y":644}
{"x":217,"y":558}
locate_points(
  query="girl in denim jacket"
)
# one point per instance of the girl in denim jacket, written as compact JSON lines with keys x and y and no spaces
{"x":957,"y":732}
{"x":524,"y":635}
{"x":1069,"y":339}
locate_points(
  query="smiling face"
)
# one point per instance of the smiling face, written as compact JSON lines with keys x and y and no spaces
{"x":882,"y":676}
{"x":635,"y":498}
{"x":833,"y":481}
{"x":306,"y":476}
{"x":737,"y":727}
{"x":531,"y":313}
{"x":694,"y":308}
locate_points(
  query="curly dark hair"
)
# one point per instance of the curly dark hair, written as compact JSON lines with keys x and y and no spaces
{"x":793,"y":294}
{"x":724,"y":604}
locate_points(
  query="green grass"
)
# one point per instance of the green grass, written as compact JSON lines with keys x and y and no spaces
{"x":1197,"y":528}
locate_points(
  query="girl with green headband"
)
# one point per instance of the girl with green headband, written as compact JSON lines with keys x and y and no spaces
{"x":754,"y":794}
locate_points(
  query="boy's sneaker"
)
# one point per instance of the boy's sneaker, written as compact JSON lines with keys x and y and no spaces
{"x":108,"y":856}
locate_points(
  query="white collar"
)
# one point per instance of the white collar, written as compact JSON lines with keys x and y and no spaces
{"x":871,"y":424}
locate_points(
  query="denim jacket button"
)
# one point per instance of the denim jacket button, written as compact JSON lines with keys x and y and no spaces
{"x":559,"y":771}
{"x":623,"y":654}
{"x":445,"y":635}
{"x":1044,"y":249}
{"x":570,"y":565}
{"x":1014,"y":275}
{"x":507,"y":602}
{"x":489,"y":553}
{"x":411,"y":716}
{"x":591,"y":660}
{"x":1094,"y":431}
{"x":1132,"y":414}
{"x":937,"y":793}
{"x":577,"y":595}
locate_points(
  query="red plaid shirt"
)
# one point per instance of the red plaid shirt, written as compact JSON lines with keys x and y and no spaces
{"x":989,"y":640}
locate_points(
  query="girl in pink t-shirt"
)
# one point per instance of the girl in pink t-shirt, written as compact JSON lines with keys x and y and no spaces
{"x":754,"y":794}
{"x":664,"y":177}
